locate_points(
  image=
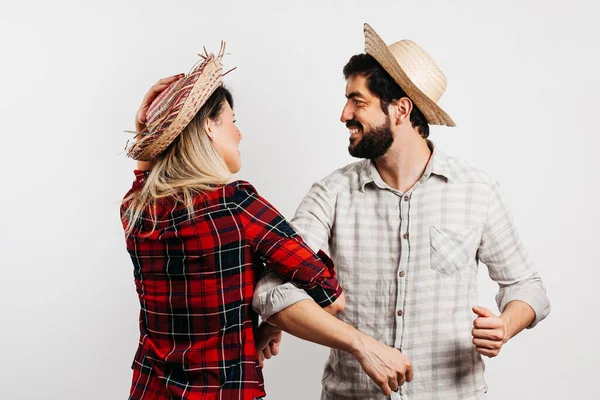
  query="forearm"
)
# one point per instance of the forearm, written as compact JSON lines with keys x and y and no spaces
{"x":517,"y":315}
{"x":308,"y":321}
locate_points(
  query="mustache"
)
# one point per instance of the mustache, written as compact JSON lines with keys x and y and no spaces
{"x":353,"y":123}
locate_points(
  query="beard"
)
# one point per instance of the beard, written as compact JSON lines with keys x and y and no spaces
{"x":374,"y":142}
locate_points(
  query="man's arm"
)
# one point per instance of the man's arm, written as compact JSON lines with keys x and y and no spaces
{"x":386,"y":366}
{"x":521,"y":298}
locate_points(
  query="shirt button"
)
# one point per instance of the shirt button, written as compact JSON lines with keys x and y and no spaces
{"x":405,"y":236}
{"x":405,"y":198}
{"x":400,"y":313}
{"x":402,"y":273}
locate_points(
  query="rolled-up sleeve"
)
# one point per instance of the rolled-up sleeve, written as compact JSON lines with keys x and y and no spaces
{"x":282,"y":250}
{"x":508,"y":262}
{"x":312,"y":221}
{"x":272,"y":295}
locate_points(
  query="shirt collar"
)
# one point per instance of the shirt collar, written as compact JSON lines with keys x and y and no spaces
{"x":438,"y":165}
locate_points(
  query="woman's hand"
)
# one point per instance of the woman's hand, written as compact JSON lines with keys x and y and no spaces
{"x":267,"y":338}
{"x":140,"y":115}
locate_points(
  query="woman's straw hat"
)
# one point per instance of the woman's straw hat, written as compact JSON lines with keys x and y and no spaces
{"x":416,"y":73}
{"x":176,"y":106}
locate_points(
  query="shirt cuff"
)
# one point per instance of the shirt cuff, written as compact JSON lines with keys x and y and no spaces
{"x":532,"y":293}
{"x":329,"y":290}
{"x":271,"y":295}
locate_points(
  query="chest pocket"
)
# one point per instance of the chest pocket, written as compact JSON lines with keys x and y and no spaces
{"x":452,"y":251}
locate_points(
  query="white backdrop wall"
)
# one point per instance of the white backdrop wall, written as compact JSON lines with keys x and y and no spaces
{"x":522,"y":86}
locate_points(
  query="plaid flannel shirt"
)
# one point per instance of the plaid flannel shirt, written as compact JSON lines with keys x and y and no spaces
{"x":195,"y":280}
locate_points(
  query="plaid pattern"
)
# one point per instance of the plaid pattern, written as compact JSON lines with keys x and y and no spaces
{"x":195,"y":280}
{"x":408,"y":264}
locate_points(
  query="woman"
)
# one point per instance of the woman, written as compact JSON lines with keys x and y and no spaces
{"x":199,"y":244}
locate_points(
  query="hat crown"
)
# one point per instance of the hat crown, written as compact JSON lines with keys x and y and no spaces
{"x":420,"y":68}
{"x":414,"y":71}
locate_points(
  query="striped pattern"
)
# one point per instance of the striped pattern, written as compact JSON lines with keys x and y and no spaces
{"x":408,"y":264}
{"x":195,"y":280}
{"x":176,"y":106}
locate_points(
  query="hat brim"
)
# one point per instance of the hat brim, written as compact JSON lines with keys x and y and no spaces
{"x":151,"y":145}
{"x":378,"y":49}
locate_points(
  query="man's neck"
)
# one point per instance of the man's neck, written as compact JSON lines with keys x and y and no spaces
{"x":404,"y":163}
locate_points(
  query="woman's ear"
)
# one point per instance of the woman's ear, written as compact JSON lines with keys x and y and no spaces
{"x":209,"y":128}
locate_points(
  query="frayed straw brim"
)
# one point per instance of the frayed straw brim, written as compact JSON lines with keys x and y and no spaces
{"x":430,"y":77}
{"x":176,"y":106}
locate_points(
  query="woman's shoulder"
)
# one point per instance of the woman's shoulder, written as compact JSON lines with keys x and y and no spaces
{"x":238,"y":192}
{"x":242,"y":193}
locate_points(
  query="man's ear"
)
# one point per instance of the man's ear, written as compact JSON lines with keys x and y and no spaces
{"x":400,"y":110}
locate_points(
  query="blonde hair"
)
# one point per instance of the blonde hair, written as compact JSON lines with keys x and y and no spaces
{"x":191,"y":165}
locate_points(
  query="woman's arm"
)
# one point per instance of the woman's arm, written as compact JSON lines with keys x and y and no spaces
{"x":140,"y":115}
{"x":282,"y":249}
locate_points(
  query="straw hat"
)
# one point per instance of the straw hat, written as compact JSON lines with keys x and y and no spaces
{"x":176,"y":106}
{"x":416,"y":73}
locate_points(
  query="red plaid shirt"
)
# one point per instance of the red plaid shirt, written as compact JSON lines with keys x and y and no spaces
{"x":195,"y":280}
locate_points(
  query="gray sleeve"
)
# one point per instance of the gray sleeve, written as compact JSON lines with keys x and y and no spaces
{"x":313,"y":222}
{"x":272,"y":295}
{"x":508,"y":262}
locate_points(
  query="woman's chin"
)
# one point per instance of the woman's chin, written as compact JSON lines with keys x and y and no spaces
{"x":234,"y":169}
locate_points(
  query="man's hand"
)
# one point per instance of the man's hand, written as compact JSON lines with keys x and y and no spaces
{"x":140,"y":115}
{"x":386,"y":366}
{"x":490,"y":332}
{"x":267,"y":339}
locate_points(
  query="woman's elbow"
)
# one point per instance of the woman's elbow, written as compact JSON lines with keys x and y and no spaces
{"x":337,"y":306}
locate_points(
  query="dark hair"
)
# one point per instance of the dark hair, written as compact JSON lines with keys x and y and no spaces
{"x":215,"y":102}
{"x":383,"y":86}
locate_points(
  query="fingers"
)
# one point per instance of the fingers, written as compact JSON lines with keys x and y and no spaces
{"x":487,"y":344}
{"x":261,"y":340}
{"x":274,"y":346}
{"x":488,"y":334}
{"x":385,"y":389}
{"x":487,"y":352}
{"x":409,"y":374}
{"x":401,"y":379}
{"x":267,"y":352}
{"x":170,"y":79}
{"x":487,"y":323}
{"x":261,"y":359}
{"x":276,"y":338}
{"x":394,"y":385}
{"x":482,"y":311}
{"x":154,"y":91}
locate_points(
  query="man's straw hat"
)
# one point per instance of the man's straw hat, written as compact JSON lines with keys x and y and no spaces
{"x":416,"y":73}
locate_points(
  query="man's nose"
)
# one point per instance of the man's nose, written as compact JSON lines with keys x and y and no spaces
{"x":347,"y":114}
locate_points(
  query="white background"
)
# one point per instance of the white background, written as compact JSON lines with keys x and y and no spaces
{"x":523,"y":89}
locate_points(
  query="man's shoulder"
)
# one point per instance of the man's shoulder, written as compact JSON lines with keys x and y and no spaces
{"x":462,"y":171}
{"x":346,"y":177}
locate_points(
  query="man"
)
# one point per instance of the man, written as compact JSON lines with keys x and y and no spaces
{"x":406,"y":228}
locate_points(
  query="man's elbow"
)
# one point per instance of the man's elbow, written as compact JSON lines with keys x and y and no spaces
{"x":337,"y":306}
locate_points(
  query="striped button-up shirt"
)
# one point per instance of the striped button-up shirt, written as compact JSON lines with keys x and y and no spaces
{"x":408,"y":264}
